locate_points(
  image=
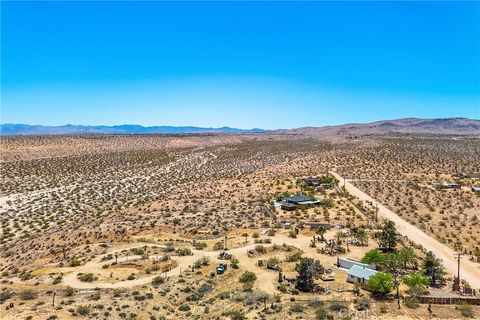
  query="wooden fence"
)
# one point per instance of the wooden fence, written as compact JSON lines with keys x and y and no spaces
{"x":444,"y":300}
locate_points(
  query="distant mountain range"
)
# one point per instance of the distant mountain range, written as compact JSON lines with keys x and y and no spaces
{"x":26,"y":129}
{"x":408,"y":125}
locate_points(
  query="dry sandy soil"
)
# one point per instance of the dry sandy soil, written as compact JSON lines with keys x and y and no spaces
{"x":66,"y":203}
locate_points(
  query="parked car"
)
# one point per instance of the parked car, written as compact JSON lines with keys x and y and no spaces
{"x":221,"y":268}
{"x":273,"y":266}
{"x":224,"y":255}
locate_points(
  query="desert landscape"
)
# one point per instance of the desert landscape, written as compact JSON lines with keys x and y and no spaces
{"x":208,"y":226}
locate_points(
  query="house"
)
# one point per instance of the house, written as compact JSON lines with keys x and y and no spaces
{"x":476,"y":189}
{"x":473,"y":176}
{"x":359,"y":274}
{"x":346,"y":263}
{"x":451,"y":185}
{"x":312,"y":182}
{"x":447,"y":185}
{"x":300,"y":199}
{"x":317,"y":224}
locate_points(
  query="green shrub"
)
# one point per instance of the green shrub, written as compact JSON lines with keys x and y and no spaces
{"x":296,"y":308}
{"x":83,"y":310}
{"x":411,"y":302}
{"x":184,"y":307}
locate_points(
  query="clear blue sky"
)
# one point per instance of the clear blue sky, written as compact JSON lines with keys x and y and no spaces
{"x":252,"y":64}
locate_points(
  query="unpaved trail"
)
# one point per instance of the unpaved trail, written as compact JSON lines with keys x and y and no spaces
{"x":469,"y":270}
{"x":265,"y":278}
{"x":96,"y":264}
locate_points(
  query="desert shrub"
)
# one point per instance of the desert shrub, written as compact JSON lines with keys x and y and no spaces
{"x":235,"y":315}
{"x":199,"y":245}
{"x":296,"y":308}
{"x":69,"y":291}
{"x":86,"y":277}
{"x":95,"y":296}
{"x":83,"y":310}
{"x":261,"y":249}
{"x":466,"y":310}
{"x":184,"y":252}
{"x":5,"y":295}
{"x":75,"y":263}
{"x":184,"y":307}
{"x":315,"y":302}
{"x":411,"y":302}
{"x":218,"y":245}
{"x":158,"y":280}
{"x":294,"y":257}
{"x":224,"y":295}
{"x":338,"y":306}
{"x":322,"y":314}
{"x":362,"y":304}
{"x":28,"y":295}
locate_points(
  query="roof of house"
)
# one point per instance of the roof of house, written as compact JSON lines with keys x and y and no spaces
{"x":361,"y":272}
{"x":299,"y":198}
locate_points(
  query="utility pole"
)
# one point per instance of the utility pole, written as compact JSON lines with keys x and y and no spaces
{"x":457,"y":282}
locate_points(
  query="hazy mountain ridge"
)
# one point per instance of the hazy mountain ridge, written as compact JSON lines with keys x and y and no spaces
{"x":25,"y":129}
{"x":407,"y":125}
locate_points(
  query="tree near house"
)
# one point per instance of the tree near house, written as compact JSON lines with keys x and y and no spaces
{"x":388,"y":236}
{"x":381,"y":283}
{"x":360,"y":235}
{"x":408,"y":256}
{"x":417,"y":283}
{"x":373,"y":257}
{"x":308,"y":269}
{"x":433,"y":268}
{"x":393,"y":264}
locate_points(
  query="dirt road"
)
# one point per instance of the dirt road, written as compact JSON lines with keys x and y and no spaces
{"x":469,"y":271}
{"x":265,"y":281}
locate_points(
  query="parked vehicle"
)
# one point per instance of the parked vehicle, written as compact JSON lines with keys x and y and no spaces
{"x":224,"y":255}
{"x":221,"y":268}
{"x":327,"y":277}
{"x":273,"y":266}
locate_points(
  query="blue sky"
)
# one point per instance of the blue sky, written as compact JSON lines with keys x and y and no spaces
{"x":251,"y":64}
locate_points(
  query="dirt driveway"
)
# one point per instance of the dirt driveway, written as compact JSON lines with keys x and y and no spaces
{"x":469,"y":270}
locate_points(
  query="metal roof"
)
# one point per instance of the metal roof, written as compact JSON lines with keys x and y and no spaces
{"x":361,"y":272}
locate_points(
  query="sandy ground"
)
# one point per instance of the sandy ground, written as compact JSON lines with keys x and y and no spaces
{"x":469,"y":271}
{"x":266,"y":278}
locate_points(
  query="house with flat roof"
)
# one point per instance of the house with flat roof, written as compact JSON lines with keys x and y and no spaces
{"x":447,"y":185}
{"x":318,"y":224}
{"x":359,"y":274}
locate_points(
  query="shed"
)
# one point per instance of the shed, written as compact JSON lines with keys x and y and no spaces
{"x":358,"y":274}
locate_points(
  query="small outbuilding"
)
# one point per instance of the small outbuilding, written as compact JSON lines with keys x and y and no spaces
{"x":317,"y":224}
{"x":358,"y":274}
